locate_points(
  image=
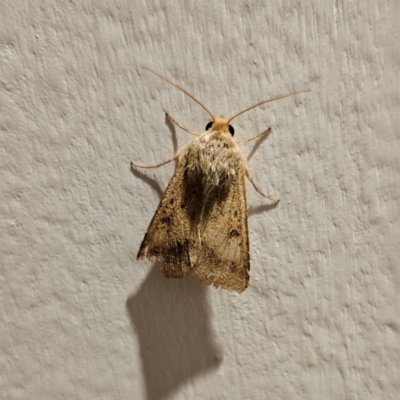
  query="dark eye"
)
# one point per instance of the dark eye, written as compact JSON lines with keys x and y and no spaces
{"x":231,"y":130}
{"x":209,"y":125}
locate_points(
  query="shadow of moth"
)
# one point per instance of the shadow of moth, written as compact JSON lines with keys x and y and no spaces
{"x":200,"y":225}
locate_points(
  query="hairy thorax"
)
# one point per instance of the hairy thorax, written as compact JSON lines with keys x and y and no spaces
{"x":214,"y":157}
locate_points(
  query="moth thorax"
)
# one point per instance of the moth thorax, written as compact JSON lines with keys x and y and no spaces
{"x":214,"y":161}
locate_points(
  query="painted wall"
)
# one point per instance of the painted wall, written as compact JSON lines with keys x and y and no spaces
{"x":81,"y":318}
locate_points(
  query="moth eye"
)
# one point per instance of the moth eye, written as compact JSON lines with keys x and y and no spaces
{"x":231,"y":130}
{"x":209,"y":125}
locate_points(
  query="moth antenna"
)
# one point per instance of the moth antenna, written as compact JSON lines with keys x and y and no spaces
{"x":182,"y":90}
{"x":263,"y":102}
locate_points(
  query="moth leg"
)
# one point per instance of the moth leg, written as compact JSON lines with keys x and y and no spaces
{"x":274,"y":199}
{"x":174,"y":121}
{"x":177,"y":154}
{"x":266,"y":132}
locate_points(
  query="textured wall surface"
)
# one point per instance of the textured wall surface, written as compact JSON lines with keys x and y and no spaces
{"x":81,"y":318}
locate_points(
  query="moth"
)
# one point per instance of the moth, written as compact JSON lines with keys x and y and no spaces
{"x":200,"y":225}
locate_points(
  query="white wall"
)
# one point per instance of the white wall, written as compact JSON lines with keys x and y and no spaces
{"x":82,"y":319}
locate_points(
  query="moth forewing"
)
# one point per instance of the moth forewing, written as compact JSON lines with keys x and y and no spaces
{"x":223,"y":258}
{"x":200,"y":224}
{"x":168,"y":235}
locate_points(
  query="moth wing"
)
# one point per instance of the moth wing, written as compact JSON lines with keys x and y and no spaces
{"x":168,"y":235}
{"x":223,"y":256}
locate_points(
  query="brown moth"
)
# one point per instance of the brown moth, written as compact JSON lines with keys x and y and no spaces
{"x":200,"y":225}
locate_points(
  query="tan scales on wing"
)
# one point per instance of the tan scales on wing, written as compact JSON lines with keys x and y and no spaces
{"x":223,"y":257}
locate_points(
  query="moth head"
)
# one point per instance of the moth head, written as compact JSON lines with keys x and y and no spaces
{"x":220,"y":124}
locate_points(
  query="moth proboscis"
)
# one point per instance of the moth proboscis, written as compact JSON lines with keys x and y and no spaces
{"x":200,"y":225}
